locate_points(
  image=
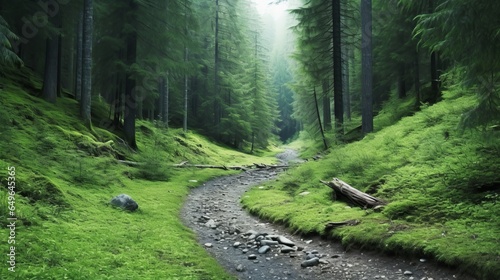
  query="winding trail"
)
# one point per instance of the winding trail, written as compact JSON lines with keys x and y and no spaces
{"x":214,"y":212}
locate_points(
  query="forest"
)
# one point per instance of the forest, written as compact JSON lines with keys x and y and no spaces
{"x":158,"y":99}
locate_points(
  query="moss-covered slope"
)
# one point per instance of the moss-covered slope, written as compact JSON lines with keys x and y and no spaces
{"x":66,"y":175}
{"x":442,"y":186}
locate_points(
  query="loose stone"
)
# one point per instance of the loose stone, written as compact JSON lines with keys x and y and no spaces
{"x":264,"y":249}
{"x":408,"y":273}
{"x":286,"y":249}
{"x":311,"y":262}
{"x":286,"y":241}
{"x":268,"y":242}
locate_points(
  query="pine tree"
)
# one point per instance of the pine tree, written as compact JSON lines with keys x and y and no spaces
{"x":86,"y":96}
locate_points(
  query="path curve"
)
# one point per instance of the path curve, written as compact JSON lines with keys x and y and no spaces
{"x":213,"y":211}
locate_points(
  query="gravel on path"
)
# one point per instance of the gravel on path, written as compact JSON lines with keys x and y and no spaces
{"x":250,"y":248}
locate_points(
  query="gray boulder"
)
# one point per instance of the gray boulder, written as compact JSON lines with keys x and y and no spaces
{"x":125,"y":202}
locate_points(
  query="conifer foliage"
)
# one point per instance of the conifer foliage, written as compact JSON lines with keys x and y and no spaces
{"x":194,"y":64}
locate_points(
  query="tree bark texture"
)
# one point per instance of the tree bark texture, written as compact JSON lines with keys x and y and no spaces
{"x":130,"y":83}
{"x":338,"y":109}
{"x":49,"y":90}
{"x":79,"y":58}
{"x":86,"y":98}
{"x":366,"y":67}
{"x":359,"y":198}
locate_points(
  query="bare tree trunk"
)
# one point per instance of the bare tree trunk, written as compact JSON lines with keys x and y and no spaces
{"x":355,"y":196}
{"x":402,"y":81}
{"x":59,"y":57}
{"x":86,"y":98}
{"x":327,"y":113}
{"x":186,"y":93}
{"x":130,"y":94}
{"x":319,"y":119}
{"x":79,"y":58}
{"x":418,"y":98}
{"x":435,"y":91}
{"x":338,"y":109}
{"x":49,"y":90}
{"x":167,"y":101}
{"x":216,"y":68}
{"x":346,"y":76}
{"x":366,"y":66}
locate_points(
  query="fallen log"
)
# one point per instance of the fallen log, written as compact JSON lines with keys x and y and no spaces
{"x":332,"y":225}
{"x":185,"y":164}
{"x":223,"y":167}
{"x":355,"y":196}
{"x":266,"y":166}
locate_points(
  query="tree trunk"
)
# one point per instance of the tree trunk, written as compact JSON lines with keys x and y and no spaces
{"x":435,"y":91}
{"x":185,"y":93}
{"x":402,"y":81}
{"x":319,"y":119}
{"x":338,"y":108}
{"x":161,"y":99}
{"x":118,"y":102}
{"x":79,"y":58}
{"x":86,"y":98}
{"x":167,"y":101}
{"x":130,"y":98}
{"x":342,"y":189}
{"x":346,"y":91}
{"x":366,"y":67}
{"x":216,"y":69}
{"x":327,"y":113}
{"x":49,"y":90}
{"x":59,"y":57}
{"x":418,"y":98}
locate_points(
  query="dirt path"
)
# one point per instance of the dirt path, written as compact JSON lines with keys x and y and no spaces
{"x":214,"y":212}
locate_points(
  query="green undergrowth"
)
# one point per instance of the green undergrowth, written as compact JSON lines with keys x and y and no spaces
{"x":66,"y":174}
{"x":441,"y":184}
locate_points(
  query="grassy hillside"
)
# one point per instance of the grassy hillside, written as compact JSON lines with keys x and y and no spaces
{"x":442,"y":186}
{"x":65,"y":177}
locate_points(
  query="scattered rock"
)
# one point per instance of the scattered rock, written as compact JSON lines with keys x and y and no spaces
{"x":264,"y":249}
{"x":193,"y":181}
{"x":252,"y":257}
{"x":311,"y":256}
{"x":335,"y":256}
{"x":209,"y":245}
{"x":407,"y":273}
{"x":240,"y":268}
{"x":286,"y":241}
{"x":286,"y":249}
{"x":125,"y":202}
{"x":244,"y":251}
{"x":423,"y":260}
{"x":268,"y":242}
{"x":250,"y":232}
{"x":236,"y":244}
{"x":211,"y":224}
{"x":304,"y":193}
{"x":322,"y":261}
{"x":311,"y":262}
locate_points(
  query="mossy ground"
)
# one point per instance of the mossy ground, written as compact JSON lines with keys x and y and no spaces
{"x":442,"y":186}
{"x":66,"y":175}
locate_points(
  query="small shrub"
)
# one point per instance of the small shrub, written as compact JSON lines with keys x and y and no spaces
{"x":153,"y":167}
